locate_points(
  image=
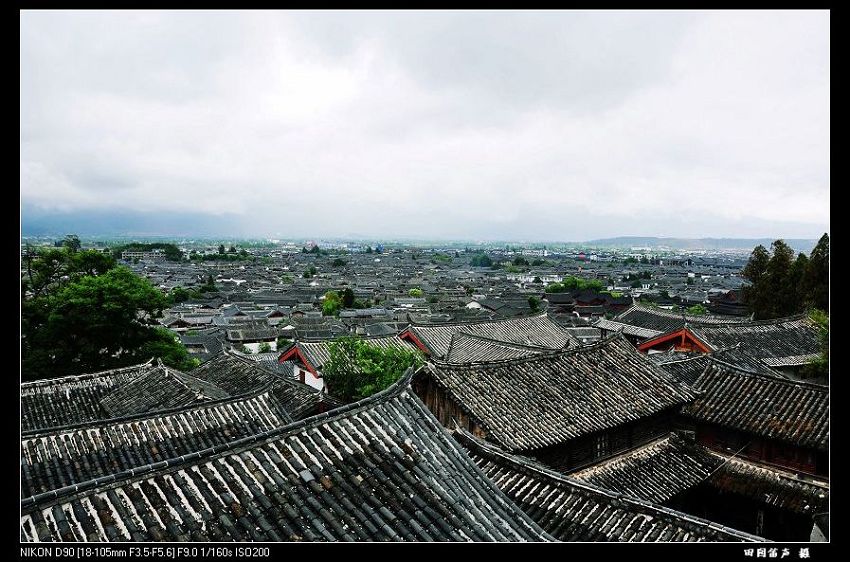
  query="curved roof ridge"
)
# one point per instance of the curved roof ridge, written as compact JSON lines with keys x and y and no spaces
{"x":31,"y":434}
{"x":357,"y":336}
{"x":477,"y":322}
{"x":84,"y":376}
{"x":763,"y":322}
{"x":715,"y":362}
{"x":548,"y":354}
{"x":499,"y":342}
{"x":396,"y":389}
{"x":711,"y":319}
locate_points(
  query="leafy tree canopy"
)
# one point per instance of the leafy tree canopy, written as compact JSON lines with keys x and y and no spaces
{"x":95,"y":322}
{"x":571,"y":283}
{"x":820,"y":366}
{"x":782,"y":284}
{"x":481,"y":260}
{"x":347,"y":297}
{"x":357,"y":370}
{"x":697,"y":310}
{"x":331,"y":303}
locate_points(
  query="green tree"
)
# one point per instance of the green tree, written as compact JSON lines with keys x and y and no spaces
{"x":757,"y":293}
{"x":72,"y":243}
{"x":571,"y":283}
{"x":534,"y":303}
{"x":221,"y":249}
{"x":331,"y":303}
{"x":796,"y":283}
{"x":481,"y":260}
{"x":231,"y":250}
{"x":347,"y":297}
{"x":265,"y":347}
{"x":519,"y":260}
{"x":165,"y":345}
{"x":415,"y":292}
{"x":357,"y":370}
{"x":556,"y":288}
{"x":283,"y":343}
{"x":338,"y":262}
{"x":49,"y":269}
{"x":95,"y":322}
{"x":820,"y":366}
{"x":816,"y":278}
{"x":89,"y":262}
{"x":778,"y":269}
{"x":697,"y":310}
{"x":178,"y":295}
{"x":537,"y":262}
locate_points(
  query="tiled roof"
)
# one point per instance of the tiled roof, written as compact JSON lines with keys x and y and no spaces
{"x":771,"y":407}
{"x":536,"y":330}
{"x":687,"y":367}
{"x":628,"y":329}
{"x":770,"y":486}
{"x":655,"y":472}
{"x":159,"y":389}
{"x":776,"y":342}
{"x":379,"y":469}
{"x":74,"y":399}
{"x":466,"y":348}
{"x":660,"y":320}
{"x":572,"y":510}
{"x":542,"y":400}
{"x":63,"y":457}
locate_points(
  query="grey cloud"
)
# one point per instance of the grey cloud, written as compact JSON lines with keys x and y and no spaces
{"x":566,"y":125}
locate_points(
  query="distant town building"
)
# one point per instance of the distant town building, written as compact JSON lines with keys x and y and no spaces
{"x":152,"y":255}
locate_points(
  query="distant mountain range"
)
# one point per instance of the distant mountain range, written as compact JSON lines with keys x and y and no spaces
{"x":799,"y":244}
{"x":182,"y":224}
{"x":129,"y":223}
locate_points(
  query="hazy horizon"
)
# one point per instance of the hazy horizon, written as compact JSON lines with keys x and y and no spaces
{"x":537,"y":126}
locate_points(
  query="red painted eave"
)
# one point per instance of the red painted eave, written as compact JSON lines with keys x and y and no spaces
{"x":683,"y":334}
{"x":409,"y":336}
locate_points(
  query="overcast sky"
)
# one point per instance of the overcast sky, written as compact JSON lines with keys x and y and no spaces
{"x":508,"y":125}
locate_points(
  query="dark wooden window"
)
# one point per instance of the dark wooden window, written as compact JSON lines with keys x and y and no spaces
{"x":601,"y":445}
